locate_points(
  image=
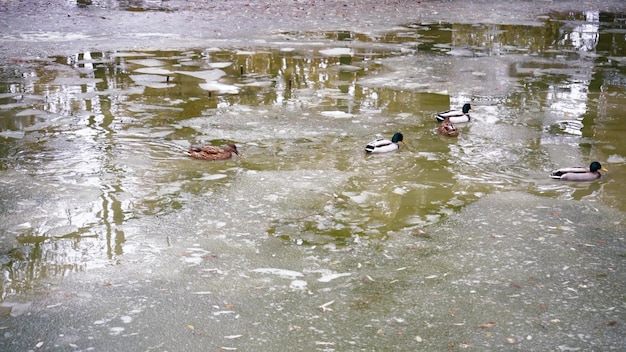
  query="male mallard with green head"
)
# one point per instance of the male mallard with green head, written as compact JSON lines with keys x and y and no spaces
{"x":579,"y":173}
{"x":456,"y":116}
{"x":210,"y":152}
{"x":381,"y":145}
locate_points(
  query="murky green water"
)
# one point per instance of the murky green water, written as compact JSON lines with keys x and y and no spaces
{"x":94,"y":174}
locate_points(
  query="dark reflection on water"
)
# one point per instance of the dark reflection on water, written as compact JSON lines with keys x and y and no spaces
{"x":91,"y":145}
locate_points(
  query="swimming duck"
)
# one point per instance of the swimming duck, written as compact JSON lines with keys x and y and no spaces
{"x":447,"y":128}
{"x":210,"y":152}
{"x":579,"y":173}
{"x":456,"y":116}
{"x":381,"y":145}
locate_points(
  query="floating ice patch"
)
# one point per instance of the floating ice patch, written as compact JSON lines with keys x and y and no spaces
{"x":131,"y":54}
{"x":461,"y":52}
{"x":210,"y":177}
{"x":337,"y":114}
{"x":260,"y":84}
{"x":220,"y":64}
{"x":193,"y":260}
{"x":74,"y":81}
{"x":337,"y":52}
{"x":116,"y":330}
{"x":280,"y":272}
{"x":152,"y":81}
{"x":8,"y":95}
{"x":51,"y":36}
{"x":207,"y":75}
{"x":12,"y":134}
{"x":400,"y":191}
{"x":359,"y":198}
{"x":12,"y":106}
{"x":330,"y":277}
{"x":32,"y":112}
{"x":428,"y":155}
{"x":298,"y":285}
{"x":62,"y":231}
{"x":126,"y":319}
{"x":349,"y":68}
{"x":154,"y":71}
{"x":17,"y":309}
{"x":220,"y":88}
{"x":615,"y":159}
{"x":147,"y":62}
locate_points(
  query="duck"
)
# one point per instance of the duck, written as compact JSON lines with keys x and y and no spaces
{"x":381,"y":145}
{"x":210,"y":152}
{"x":579,"y":173}
{"x":447,"y":128}
{"x":456,"y":116}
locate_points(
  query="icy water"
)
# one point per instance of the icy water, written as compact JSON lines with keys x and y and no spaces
{"x":304,"y":242}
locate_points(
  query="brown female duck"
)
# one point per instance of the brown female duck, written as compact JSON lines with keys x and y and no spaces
{"x":210,"y":152}
{"x":447,"y":128}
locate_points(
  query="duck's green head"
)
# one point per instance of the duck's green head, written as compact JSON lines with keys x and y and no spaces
{"x":596,"y":166}
{"x":397,"y":137}
{"x":466,"y":108}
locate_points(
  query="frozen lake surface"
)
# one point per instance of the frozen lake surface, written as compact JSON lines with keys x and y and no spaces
{"x":112,"y":238}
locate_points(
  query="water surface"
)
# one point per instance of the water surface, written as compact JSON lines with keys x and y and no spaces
{"x":95,"y":182}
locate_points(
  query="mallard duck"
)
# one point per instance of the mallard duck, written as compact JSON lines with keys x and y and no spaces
{"x":456,"y":116}
{"x":579,"y":173}
{"x":381,"y":145}
{"x":447,"y":128}
{"x":210,"y":152}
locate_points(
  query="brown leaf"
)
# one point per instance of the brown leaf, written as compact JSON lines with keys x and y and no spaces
{"x":610,"y":323}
